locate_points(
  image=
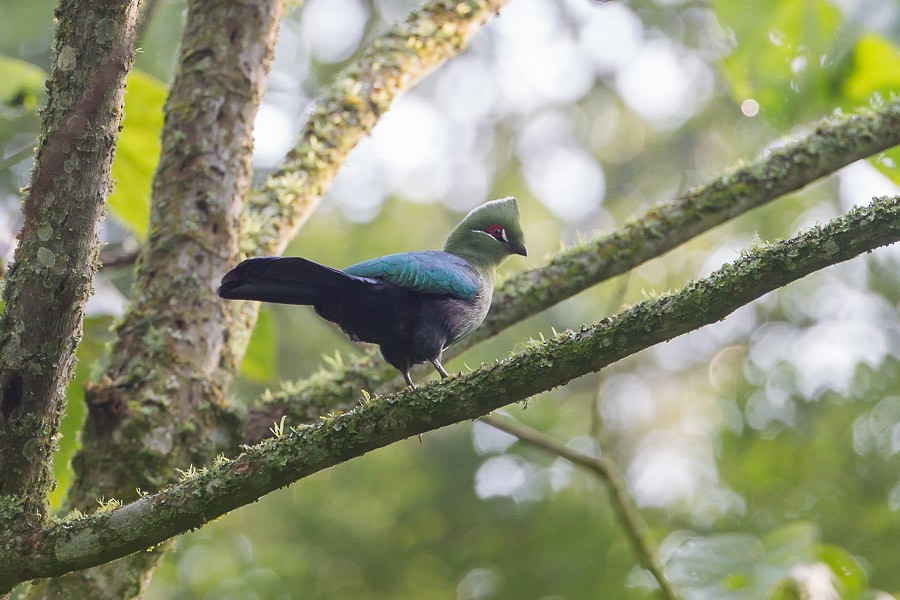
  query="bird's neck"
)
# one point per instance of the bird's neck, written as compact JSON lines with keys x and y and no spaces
{"x":484,"y":264}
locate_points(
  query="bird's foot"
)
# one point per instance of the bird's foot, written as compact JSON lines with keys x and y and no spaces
{"x":440,"y":368}
{"x":409,"y":381}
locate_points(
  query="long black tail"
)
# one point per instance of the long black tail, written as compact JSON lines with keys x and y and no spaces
{"x":291,"y":280}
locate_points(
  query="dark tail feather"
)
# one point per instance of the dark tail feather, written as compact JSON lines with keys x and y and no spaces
{"x":290,"y":280}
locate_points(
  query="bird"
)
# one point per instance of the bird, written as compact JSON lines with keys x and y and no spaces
{"x":413,"y":305}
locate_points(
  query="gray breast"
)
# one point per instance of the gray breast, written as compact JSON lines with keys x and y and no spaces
{"x":463,"y":317}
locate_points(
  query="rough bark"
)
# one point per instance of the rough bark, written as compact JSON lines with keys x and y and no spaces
{"x":210,"y":492}
{"x":833,"y":144}
{"x":159,"y":404}
{"x":51,"y":277}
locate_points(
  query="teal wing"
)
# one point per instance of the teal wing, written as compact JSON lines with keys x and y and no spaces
{"x":437,"y":273}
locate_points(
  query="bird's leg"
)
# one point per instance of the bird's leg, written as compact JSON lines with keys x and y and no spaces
{"x":408,"y":380}
{"x":440,"y":368}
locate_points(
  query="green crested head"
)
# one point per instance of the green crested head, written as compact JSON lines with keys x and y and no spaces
{"x":488,"y":234}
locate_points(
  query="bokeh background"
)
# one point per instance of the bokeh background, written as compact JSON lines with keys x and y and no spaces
{"x":765,"y":445}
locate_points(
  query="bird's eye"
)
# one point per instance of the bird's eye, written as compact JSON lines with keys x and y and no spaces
{"x":498,"y":232}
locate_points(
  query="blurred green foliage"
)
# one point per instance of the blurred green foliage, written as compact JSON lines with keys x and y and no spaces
{"x":137,"y":151}
{"x":21,"y":83}
{"x":90,"y":358}
{"x":801,"y":59}
{"x":261,"y":360}
{"x":763,"y":449}
{"x":791,"y":57}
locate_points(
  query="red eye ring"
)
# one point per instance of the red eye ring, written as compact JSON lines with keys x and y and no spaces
{"x":496,"y":231}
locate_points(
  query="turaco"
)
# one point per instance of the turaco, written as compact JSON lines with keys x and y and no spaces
{"x":412,"y":304}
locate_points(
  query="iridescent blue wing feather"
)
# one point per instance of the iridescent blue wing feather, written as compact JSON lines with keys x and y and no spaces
{"x":429,"y":272}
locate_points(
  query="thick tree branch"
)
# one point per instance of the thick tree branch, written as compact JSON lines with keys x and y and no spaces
{"x":277,"y":462}
{"x":158,"y":406}
{"x":203,"y":173}
{"x":833,"y":144}
{"x":51,"y":277}
{"x":608,"y":472}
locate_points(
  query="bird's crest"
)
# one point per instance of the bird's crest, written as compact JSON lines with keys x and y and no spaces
{"x":488,"y":234}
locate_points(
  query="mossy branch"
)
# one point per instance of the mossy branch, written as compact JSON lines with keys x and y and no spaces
{"x":304,"y":450}
{"x":626,"y":509}
{"x":50,"y":280}
{"x":832,"y":145}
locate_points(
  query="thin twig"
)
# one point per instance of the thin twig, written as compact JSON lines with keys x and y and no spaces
{"x":608,"y":472}
{"x":7,"y":162}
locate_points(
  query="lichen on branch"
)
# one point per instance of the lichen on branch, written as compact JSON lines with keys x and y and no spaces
{"x":349,"y":108}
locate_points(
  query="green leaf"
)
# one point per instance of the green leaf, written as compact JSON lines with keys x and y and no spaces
{"x":845,"y":568}
{"x":876,"y":70}
{"x":786,"y":588}
{"x":137,"y":152}
{"x":791,"y":541}
{"x":800,"y":61}
{"x":21,"y":83}
{"x":876,"y":73}
{"x":261,"y":359}
{"x":723,"y":562}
